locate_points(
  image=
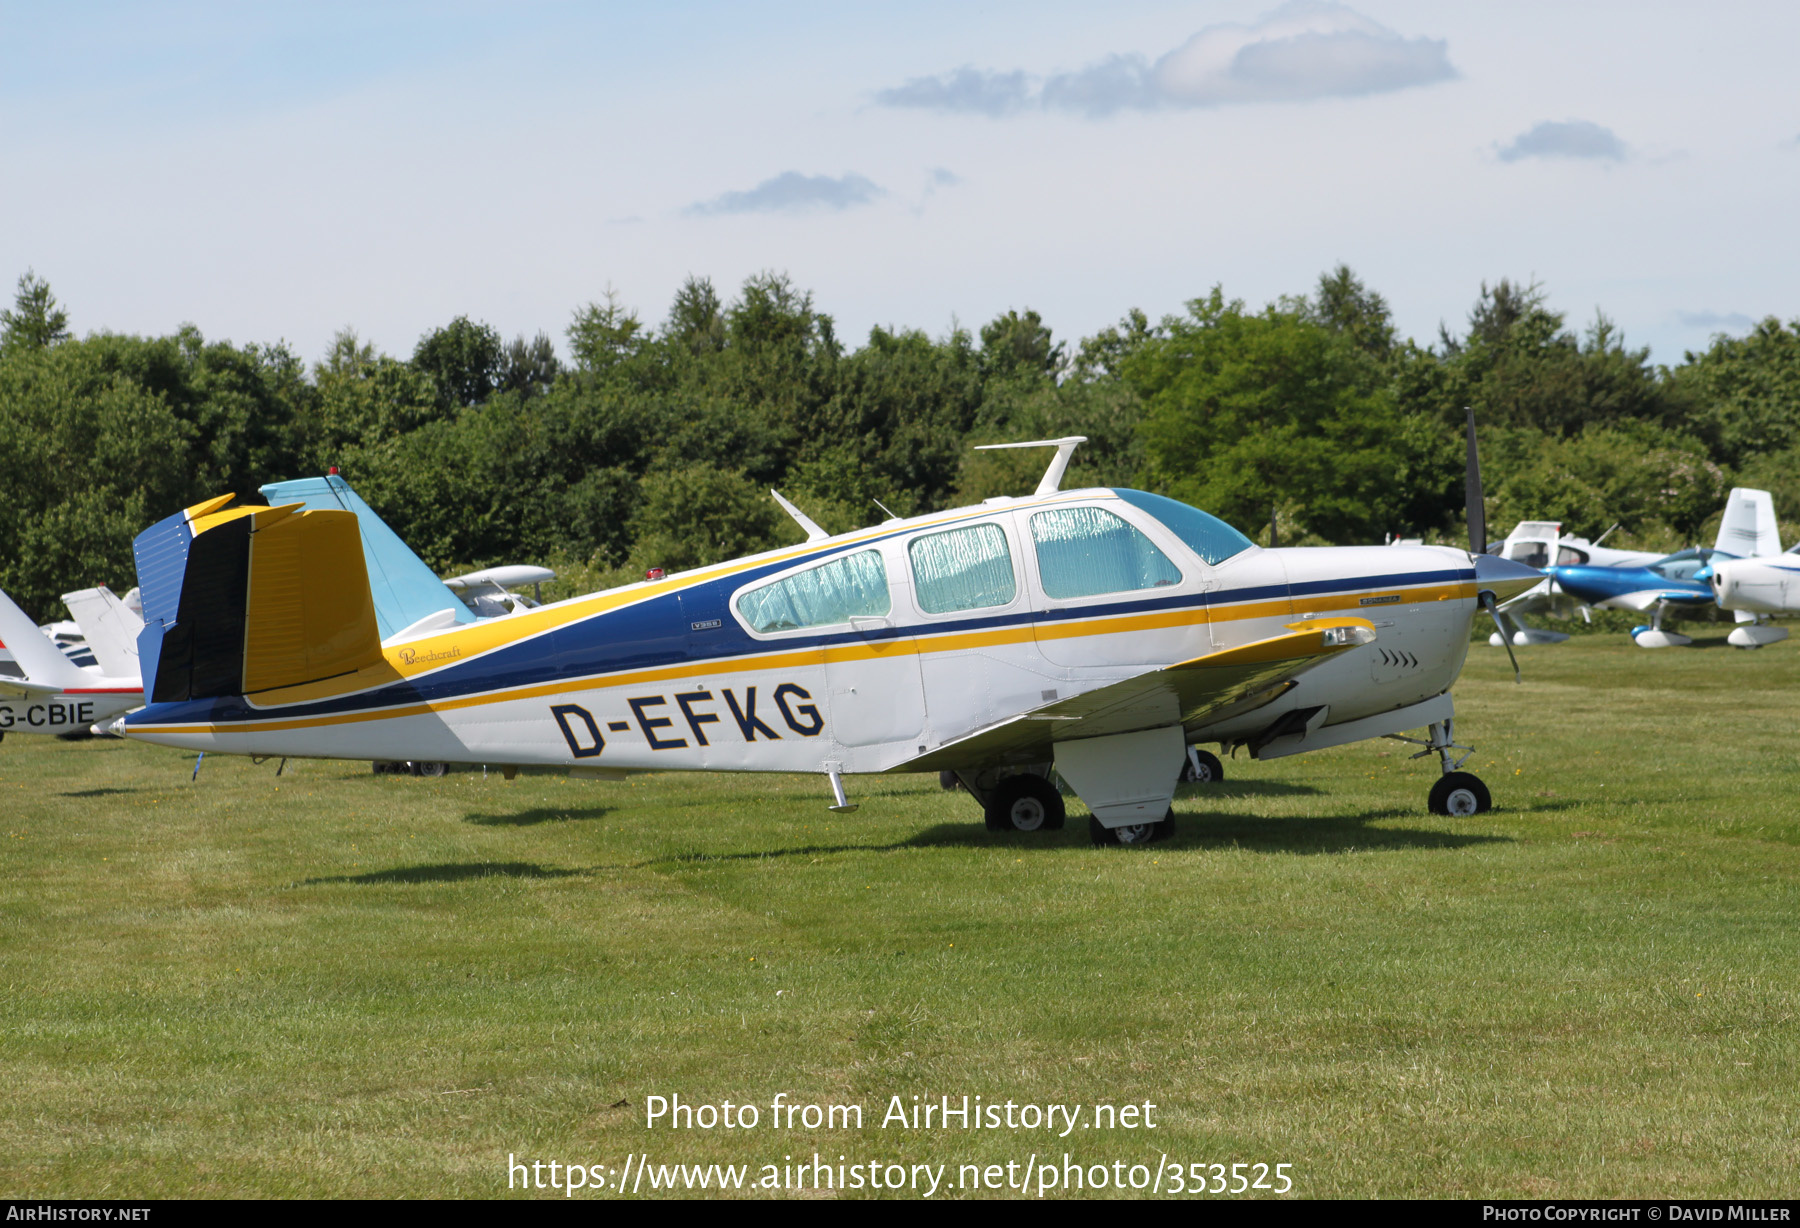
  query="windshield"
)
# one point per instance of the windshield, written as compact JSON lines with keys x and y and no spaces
{"x":1207,"y":536}
{"x":1684,"y":563}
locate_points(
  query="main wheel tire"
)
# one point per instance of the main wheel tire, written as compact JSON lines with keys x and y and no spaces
{"x":1025,"y":803}
{"x":1131,"y":833}
{"x":1211,"y":771}
{"x":1460,"y":795}
{"x":433,"y":769}
{"x":948,"y":781}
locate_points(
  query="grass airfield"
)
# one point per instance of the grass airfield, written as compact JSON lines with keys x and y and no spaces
{"x":333,"y":983}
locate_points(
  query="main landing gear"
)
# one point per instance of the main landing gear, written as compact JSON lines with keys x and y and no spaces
{"x":1456,"y":792}
{"x":1026,"y":802}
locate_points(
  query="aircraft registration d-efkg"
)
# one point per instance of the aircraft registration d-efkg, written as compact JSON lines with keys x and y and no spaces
{"x":1098,"y":631}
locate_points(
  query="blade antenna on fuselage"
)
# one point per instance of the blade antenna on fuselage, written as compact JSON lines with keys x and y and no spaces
{"x":807,"y":525}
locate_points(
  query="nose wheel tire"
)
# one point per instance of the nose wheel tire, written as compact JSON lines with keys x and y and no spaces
{"x":1132,"y":833}
{"x":1460,"y":794}
{"x":1208,"y":772}
{"x":1025,"y":803}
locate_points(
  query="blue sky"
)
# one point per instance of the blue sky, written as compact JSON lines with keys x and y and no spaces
{"x":270,"y":172}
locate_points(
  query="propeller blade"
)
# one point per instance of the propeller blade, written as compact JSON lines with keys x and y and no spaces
{"x":1477,"y":509}
{"x":1493,"y":608}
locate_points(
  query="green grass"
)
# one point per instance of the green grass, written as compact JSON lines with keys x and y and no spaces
{"x":333,"y":983}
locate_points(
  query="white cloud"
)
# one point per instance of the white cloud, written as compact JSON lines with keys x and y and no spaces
{"x":1574,"y":138}
{"x":1301,"y":51}
{"x":792,"y":192}
{"x":1715,"y":320}
{"x":966,"y":90}
{"x":1304,"y":50}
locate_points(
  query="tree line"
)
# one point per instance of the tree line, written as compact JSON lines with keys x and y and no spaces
{"x":655,"y":443}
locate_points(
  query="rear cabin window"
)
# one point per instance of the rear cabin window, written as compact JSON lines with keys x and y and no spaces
{"x":964,"y":569}
{"x":1087,"y":551}
{"x":854,"y":586}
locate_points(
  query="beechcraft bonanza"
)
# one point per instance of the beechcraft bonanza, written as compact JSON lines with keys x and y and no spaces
{"x":1099,"y":632}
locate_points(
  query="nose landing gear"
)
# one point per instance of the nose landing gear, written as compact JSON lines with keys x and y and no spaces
{"x":1456,"y":792}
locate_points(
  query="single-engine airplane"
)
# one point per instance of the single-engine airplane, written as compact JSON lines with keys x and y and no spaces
{"x":1098,"y":631}
{"x":53,"y":694}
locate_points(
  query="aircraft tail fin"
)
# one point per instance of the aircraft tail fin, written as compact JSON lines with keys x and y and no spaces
{"x":404,"y":588}
{"x":1749,"y":529}
{"x":42,"y":661}
{"x":241,"y":598}
{"x":110,"y":627}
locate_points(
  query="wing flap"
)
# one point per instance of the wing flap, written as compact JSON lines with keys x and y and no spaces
{"x":1187,"y":692}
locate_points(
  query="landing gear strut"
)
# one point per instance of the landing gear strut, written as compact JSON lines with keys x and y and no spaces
{"x":1456,"y":792}
{"x":1201,"y":767}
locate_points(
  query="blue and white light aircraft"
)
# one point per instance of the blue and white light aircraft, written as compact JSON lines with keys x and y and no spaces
{"x":1680,"y":580}
{"x":1099,"y":632}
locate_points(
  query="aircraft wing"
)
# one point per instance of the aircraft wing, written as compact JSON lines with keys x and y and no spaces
{"x":1644,"y":598}
{"x":1186,"y":693}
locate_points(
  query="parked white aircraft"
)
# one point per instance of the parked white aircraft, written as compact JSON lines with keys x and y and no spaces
{"x":1100,"y":631}
{"x":54,"y":695}
{"x":1764,"y":582}
{"x":490,"y":592}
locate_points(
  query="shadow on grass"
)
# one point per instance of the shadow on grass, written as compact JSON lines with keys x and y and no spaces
{"x":1228,"y":790}
{"x":98,"y":792}
{"x":1344,"y":834}
{"x":1337,"y":834}
{"x":542,"y":814}
{"x":455,"y":872}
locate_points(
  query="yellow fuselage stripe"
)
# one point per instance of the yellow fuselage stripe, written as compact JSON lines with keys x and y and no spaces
{"x":844,"y":653}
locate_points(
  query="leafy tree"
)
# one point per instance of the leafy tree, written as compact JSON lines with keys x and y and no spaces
{"x":88,"y":458}
{"x":529,"y":367}
{"x":1742,"y":394}
{"x":697,"y":318}
{"x":1344,"y":305}
{"x":365,"y":397}
{"x":1015,"y":346}
{"x":699,"y":514}
{"x":602,"y":335}
{"x":467,"y":361}
{"x":36,"y":321}
{"x":1246,"y":413}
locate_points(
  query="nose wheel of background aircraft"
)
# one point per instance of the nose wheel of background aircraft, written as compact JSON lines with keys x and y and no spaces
{"x":1025,"y":803}
{"x":1201,"y":767}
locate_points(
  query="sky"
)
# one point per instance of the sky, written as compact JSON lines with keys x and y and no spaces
{"x":282,"y":172}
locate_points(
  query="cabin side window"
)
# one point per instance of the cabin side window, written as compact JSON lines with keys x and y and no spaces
{"x":854,"y":586}
{"x":1087,"y":551}
{"x":963,"y":569}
